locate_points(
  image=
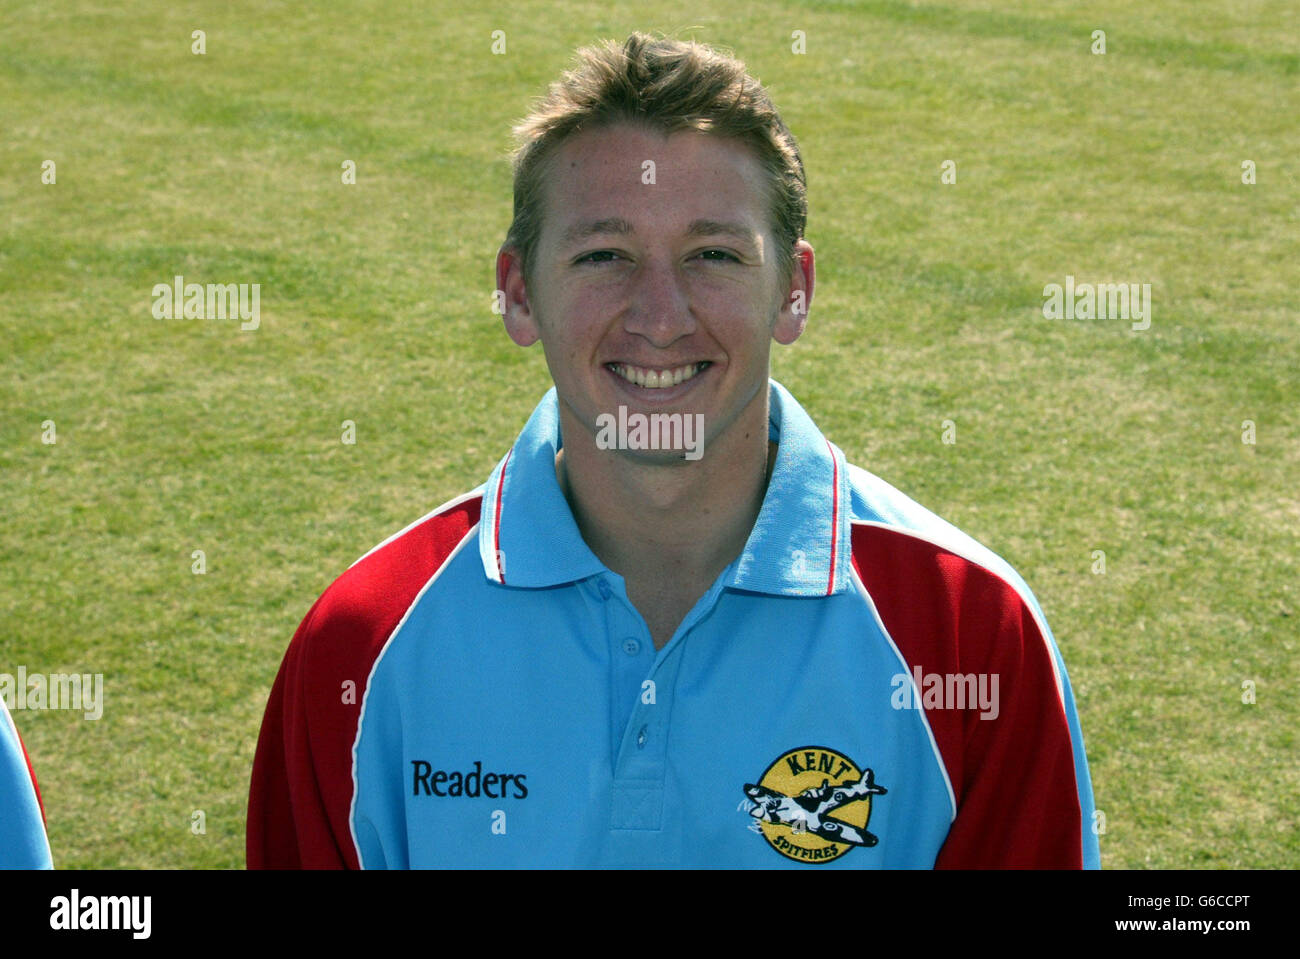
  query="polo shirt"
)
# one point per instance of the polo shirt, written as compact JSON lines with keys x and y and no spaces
{"x":864,"y":686}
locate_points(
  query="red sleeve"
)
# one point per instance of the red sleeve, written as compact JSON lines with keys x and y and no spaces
{"x":32,"y":772}
{"x":1013,"y":777}
{"x":300,"y":798}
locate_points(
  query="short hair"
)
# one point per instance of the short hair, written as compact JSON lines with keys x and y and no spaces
{"x":666,"y":85}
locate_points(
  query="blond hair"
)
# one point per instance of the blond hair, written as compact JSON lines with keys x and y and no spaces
{"x":666,"y":85}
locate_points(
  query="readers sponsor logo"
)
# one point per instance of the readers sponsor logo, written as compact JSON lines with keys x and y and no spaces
{"x":427,"y":781}
{"x":793,"y":801}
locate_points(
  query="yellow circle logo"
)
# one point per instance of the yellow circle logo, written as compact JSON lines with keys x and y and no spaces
{"x":813,"y":804}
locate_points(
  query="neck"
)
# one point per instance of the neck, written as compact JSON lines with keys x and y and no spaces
{"x":681,"y":518}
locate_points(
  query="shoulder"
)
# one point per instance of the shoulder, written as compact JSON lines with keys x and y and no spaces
{"x":880,"y":512}
{"x":932,"y":583}
{"x":302,"y":785}
{"x":888,"y":523}
{"x":348,"y":625}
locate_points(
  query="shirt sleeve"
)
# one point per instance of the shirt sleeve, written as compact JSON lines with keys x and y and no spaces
{"x":23,"y":843}
{"x":1018,"y":772}
{"x":301,"y":791}
{"x":1025,"y":796}
{"x":303,"y":783}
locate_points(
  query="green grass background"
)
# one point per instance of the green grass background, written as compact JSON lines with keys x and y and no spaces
{"x":1072,"y":436}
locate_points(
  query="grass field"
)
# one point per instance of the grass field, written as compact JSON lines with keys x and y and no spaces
{"x":1072,"y":436}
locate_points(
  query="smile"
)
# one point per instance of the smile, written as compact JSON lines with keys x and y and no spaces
{"x":657,"y":379}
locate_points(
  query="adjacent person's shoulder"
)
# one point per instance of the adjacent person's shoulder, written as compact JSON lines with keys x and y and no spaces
{"x":23,"y":844}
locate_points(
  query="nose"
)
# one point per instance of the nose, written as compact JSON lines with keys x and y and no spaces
{"x":659,"y":307}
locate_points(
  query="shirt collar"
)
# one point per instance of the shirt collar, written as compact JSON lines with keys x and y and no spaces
{"x":798,"y":546}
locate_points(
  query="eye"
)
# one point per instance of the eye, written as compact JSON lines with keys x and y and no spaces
{"x":719,"y":256}
{"x":599,"y":256}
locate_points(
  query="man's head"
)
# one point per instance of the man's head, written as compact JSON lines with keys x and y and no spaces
{"x":656,"y":250}
{"x":665,"y":85}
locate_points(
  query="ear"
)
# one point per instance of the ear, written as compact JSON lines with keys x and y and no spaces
{"x":793,"y":316}
{"x":520,"y":323}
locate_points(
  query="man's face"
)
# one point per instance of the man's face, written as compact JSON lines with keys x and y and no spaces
{"x":656,"y":288}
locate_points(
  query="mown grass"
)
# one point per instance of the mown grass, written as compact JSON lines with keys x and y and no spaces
{"x":1072,"y":436}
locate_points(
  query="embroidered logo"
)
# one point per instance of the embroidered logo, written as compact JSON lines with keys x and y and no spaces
{"x":793,"y":802}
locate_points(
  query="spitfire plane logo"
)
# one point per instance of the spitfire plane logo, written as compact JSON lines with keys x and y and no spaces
{"x":813,"y":804}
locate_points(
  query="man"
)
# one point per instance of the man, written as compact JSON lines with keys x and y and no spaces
{"x":23,"y":844}
{"x":674,"y":626}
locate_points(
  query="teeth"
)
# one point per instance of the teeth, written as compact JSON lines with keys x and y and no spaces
{"x":656,"y":379}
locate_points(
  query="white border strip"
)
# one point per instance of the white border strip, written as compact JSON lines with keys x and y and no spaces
{"x":952,"y":547}
{"x":447,"y":505}
{"x":365,"y":698}
{"x":925,"y":719}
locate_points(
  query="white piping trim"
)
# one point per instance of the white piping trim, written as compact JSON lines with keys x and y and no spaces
{"x":925,"y":719}
{"x":365,"y":697}
{"x":402,"y":532}
{"x":952,"y":547}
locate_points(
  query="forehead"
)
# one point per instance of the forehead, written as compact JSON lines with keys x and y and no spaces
{"x":653,"y":180}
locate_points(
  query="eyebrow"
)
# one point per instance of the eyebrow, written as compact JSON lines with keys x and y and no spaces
{"x":620,"y":227}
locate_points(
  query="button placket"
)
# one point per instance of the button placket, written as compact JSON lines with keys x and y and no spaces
{"x":627,"y":643}
{"x":642,"y":762}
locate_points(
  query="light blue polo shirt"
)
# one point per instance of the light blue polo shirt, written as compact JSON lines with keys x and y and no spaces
{"x":519,"y":714}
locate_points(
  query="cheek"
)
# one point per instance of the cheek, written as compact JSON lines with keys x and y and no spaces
{"x":719,"y":298}
{"x":579,"y":307}
{"x":734,"y":300}
{"x":568,"y":354}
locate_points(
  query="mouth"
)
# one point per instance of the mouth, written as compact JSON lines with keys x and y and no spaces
{"x":657,"y":379}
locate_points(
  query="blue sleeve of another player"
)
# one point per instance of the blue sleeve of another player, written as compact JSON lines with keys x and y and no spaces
{"x":22,"y":829}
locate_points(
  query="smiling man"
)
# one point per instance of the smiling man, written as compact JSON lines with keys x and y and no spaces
{"x":659,"y":298}
{"x":726,"y":646}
